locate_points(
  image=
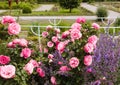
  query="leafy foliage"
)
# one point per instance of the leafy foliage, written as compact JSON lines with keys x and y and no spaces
{"x":69,"y":4}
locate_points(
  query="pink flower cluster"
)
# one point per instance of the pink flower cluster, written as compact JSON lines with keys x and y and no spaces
{"x":13,"y":27}
{"x":7,"y":71}
{"x":4,"y":59}
{"x":29,"y":67}
{"x":26,"y":52}
{"x":20,"y":42}
{"x":88,"y":48}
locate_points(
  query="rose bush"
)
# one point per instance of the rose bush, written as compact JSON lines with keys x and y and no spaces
{"x":61,"y":58}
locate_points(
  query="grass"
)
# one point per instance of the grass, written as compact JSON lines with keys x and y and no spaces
{"x":115,"y":6}
{"x":62,"y":12}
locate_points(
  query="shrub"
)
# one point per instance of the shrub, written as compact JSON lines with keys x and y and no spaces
{"x":117,"y":22}
{"x":26,"y":10}
{"x":101,"y":12}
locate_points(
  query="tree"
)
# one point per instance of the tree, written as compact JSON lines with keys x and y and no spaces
{"x":69,"y":4}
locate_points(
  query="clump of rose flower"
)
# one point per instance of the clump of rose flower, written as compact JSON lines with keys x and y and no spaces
{"x":13,"y":27}
{"x":60,"y":59}
{"x":60,"y":42}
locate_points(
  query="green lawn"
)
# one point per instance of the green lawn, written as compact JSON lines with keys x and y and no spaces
{"x":61,"y":12}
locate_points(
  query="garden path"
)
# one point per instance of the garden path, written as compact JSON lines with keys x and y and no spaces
{"x":94,"y":8}
{"x":45,"y":7}
{"x":1,"y":11}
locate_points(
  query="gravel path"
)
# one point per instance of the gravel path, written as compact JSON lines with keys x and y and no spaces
{"x":55,"y":17}
{"x":94,"y":8}
{"x":1,"y":11}
{"x":45,"y":7}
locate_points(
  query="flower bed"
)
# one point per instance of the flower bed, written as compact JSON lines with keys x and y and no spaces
{"x":61,"y":59}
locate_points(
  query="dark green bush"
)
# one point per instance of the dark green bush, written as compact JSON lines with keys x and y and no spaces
{"x":101,"y":12}
{"x":26,"y":10}
{"x":117,"y":22}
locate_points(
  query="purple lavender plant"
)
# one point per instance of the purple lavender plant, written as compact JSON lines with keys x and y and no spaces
{"x":106,"y":60}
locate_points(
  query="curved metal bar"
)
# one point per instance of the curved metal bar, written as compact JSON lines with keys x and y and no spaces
{"x":54,"y":22}
{"x":33,"y":31}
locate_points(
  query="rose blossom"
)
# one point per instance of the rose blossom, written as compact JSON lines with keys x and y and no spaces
{"x":50,"y":44}
{"x":55,"y":39}
{"x":26,"y":52}
{"x":80,"y":20}
{"x":7,"y":71}
{"x":4,"y":59}
{"x":40,"y":72}
{"x":49,"y":27}
{"x":93,"y":39}
{"x":45,"y":50}
{"x":53,"y":80}
{"x":10,"y":45}
{"x":88,"y":48}
{"x":65,"y":34}
{"x":60,"y":47}
{"x":23,"y":42}
{"x":57,"y":30}
{"x":50,"y":56}
{"x":14,"y":29}
{"x":16,"y":41}
{"x":74,"y":62}
{"x":64,"y":68}
{"x":34,"y":62}
{"x":76,"y":26}
{"x":66,"y":42}
{"x":7,"y":19}
{"x":44,"y":34}
{"x":29,"y":68}
{"x":75,"y":34}
{"x":95,"y":26}
{"x":88,"y":60}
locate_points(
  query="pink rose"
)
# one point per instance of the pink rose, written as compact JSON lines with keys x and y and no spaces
{"x":4,"y":59}
{"x":44,"y":34}
{"x":34,"y":62}
{"x":49,"y":27}
{"x":16,"y":41}
{"x":29,"y":68}
{"x":11,"y":45}
{"x":65,"y":34}
{"x":53,"y":80}
{"x":88,"y":60}
{"x":88,"y":48}
{"x":66,"y":42}
{"x":57,"y":30}
{"x":45,"y":50}
{"x":95,"y":26}
{"x":7,"y":71}
{"x":74,"y":62}
{"x":50,"y":44}
{"x":7,"y":20}
{"x":60,"y":63}
{"x":14,"y":29}
{"x":23,"y":42}
{"x":55,"y":39}
{"x":50,"y":56}
{"x":40,"y":72}
{"x":75,"y":34}
{"x":60,"y":47}
{"x":93,"y":39}
{"x":64,"y":68}
{"x":26,"y":52}
{"x":80,"y":20}
{"x":76,"y":26}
